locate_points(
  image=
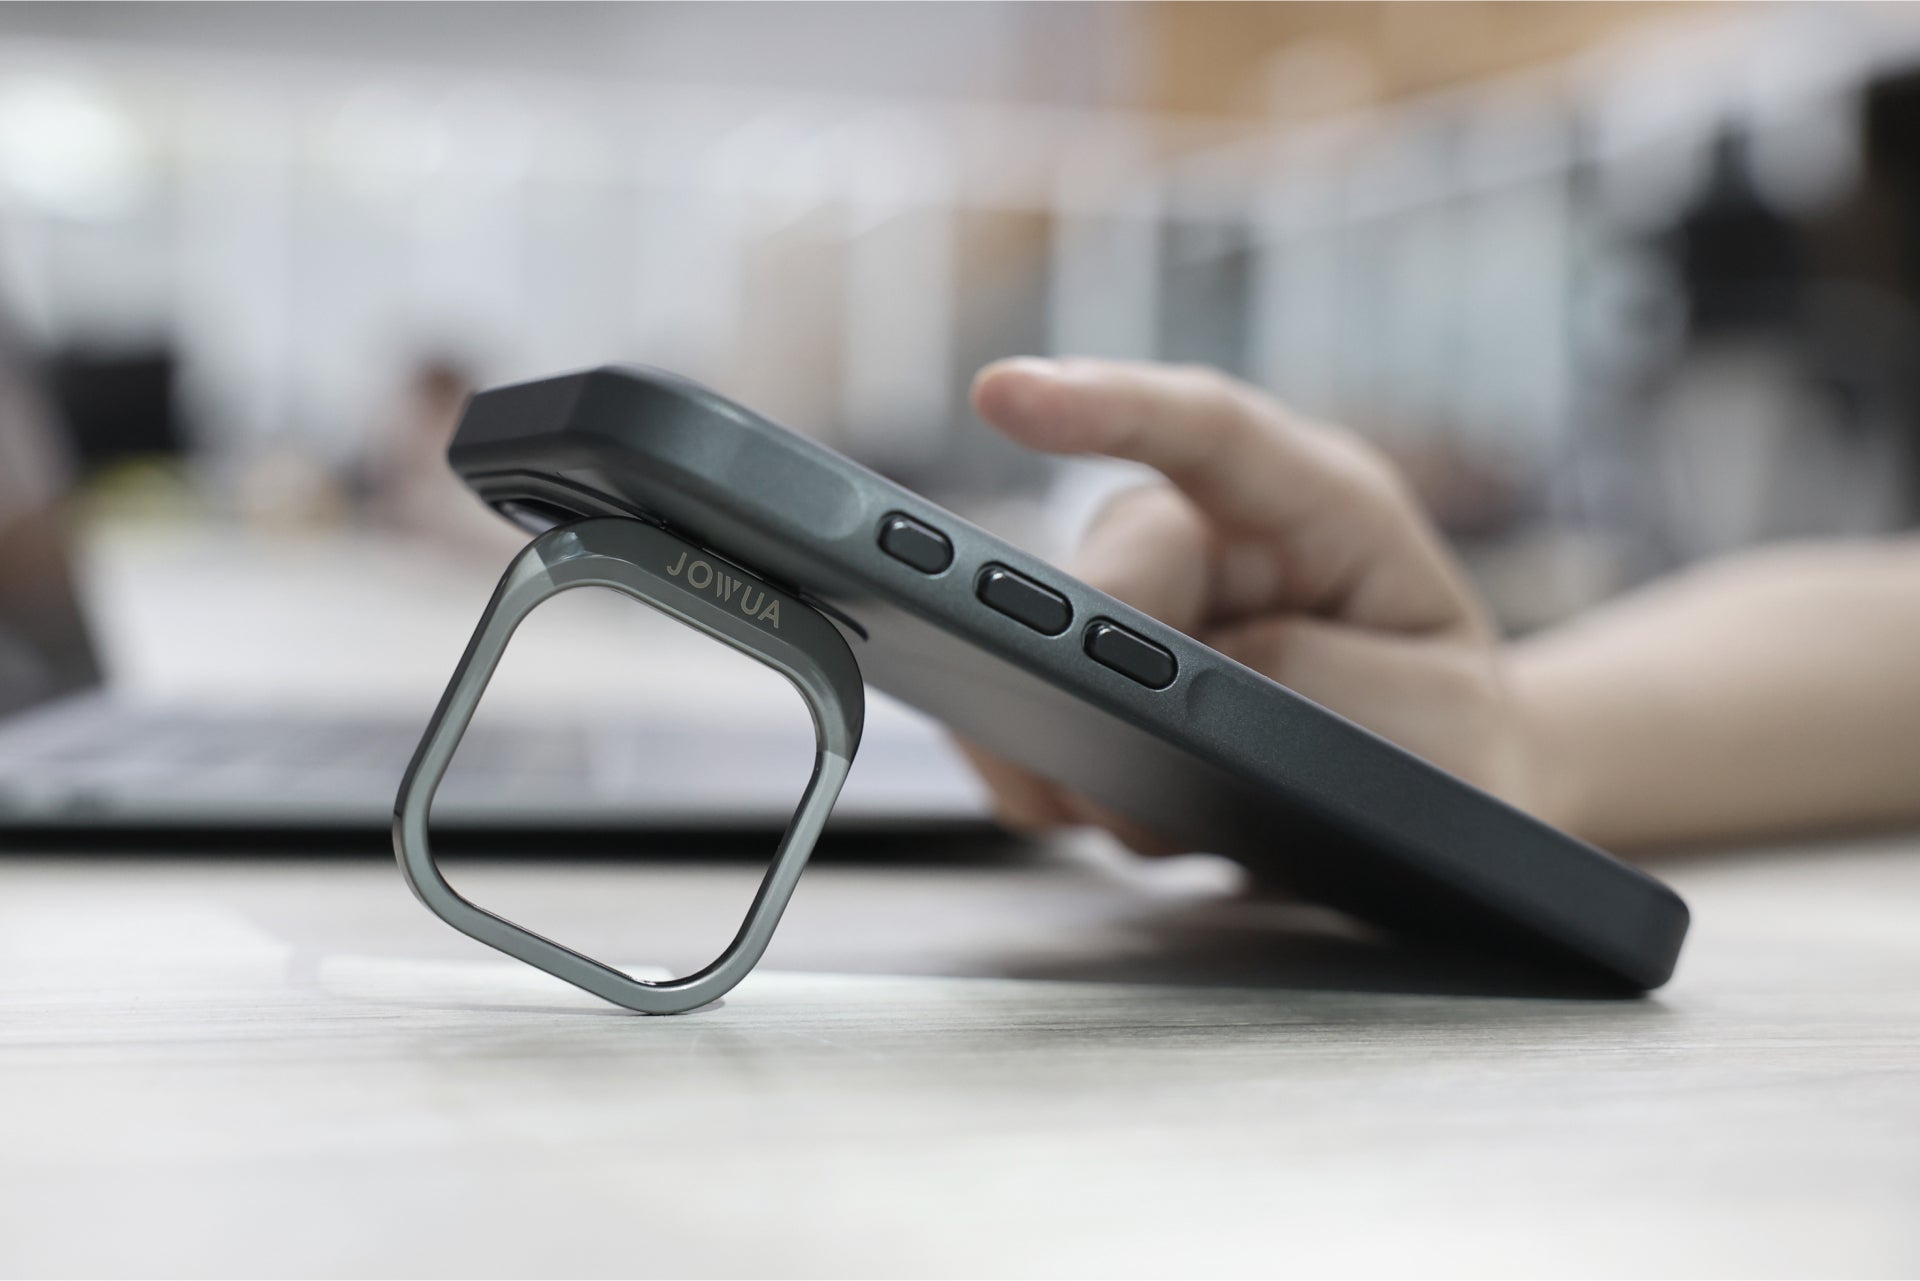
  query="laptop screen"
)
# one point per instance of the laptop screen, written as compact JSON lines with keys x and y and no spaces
{"x":44,"y":647}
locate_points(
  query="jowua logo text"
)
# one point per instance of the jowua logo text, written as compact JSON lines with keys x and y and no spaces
{"x":725,"y":588}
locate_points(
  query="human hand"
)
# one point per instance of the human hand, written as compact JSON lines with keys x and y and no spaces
{"x":1291,"y":546}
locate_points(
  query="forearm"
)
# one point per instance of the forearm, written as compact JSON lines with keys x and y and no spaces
{"x":1780,"y":690}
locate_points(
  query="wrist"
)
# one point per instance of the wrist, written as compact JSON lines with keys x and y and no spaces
{"x":1550,"y":779}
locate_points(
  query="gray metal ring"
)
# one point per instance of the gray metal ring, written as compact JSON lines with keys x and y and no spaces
{"x":707,"y":593}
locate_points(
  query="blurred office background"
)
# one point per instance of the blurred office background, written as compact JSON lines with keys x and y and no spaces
{"x":1622,"y":286}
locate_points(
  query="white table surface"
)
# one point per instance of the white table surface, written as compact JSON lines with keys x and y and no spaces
{"x":282,"y":1066}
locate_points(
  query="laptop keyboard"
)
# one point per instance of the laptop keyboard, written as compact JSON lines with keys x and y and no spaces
{"x":96,"y":756}
{"x":194,"y":744}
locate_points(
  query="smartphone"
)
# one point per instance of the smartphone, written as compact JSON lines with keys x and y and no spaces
{"x":1025,"y":661}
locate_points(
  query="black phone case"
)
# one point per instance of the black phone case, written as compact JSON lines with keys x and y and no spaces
{"x":1220,"y":758}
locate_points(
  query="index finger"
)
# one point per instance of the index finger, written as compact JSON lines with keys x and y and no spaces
{"x":1240,"y":456}
{"x":1348,"y":535}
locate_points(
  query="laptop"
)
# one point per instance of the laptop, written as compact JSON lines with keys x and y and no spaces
{"x":75,"y":757}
